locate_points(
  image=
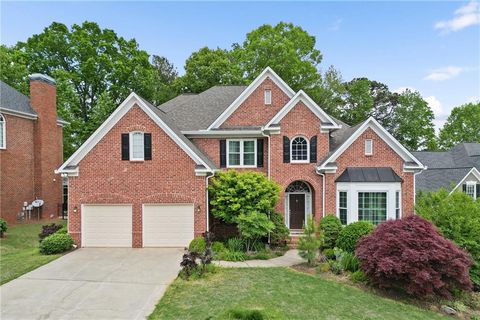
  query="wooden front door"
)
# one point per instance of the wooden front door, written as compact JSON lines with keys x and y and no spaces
{"x":297,"y":211}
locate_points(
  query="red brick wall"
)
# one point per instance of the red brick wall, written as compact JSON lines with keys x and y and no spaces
{"x":16,"y":164}
{"x":253,"y":111}
{"x":104,"y":178}
{"x":383,"y":156}
{"x":48,"y":147}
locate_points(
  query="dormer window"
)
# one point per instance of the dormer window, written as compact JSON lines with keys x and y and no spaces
{"x":3,"y":133}
{"x":268,"y":96}
{"x":368,"y":147}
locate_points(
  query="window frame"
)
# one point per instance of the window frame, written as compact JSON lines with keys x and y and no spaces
{"x":3,"y":143}
{"x":398,"y":205}
{"x":369,"y":152}
{"x":386,"y":205}
{"x":242,"y":154}
{"x":339,"y":208}
{"x":308,"y":150}
{"x":472,"y":184}
{"x":268,"y":101}
{"x":130,"y":142}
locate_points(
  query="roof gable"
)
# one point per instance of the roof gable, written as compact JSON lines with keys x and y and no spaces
{"x":267,"y":73}
{"x":155,"y":114}
{"x":301,"y":96}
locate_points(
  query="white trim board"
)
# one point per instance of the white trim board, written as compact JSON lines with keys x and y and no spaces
{"x":382,"y":133}
{"x":303,"y":97}
{"x":473,"y":171}
{"x":267,"y":73}
{"x":107,"y":125}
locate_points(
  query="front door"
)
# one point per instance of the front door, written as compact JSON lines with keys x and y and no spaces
{"x":297,"y":211}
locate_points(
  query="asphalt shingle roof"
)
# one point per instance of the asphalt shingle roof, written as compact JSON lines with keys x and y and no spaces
{"x":12,"y":99}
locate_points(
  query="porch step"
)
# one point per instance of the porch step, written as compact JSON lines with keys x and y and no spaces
{"x":294,"y":237}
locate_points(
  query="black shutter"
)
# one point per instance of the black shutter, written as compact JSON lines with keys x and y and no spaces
{"x":125,"y":146}
{"x":260,"y":153}
{"x":313,"y":149}
{"x":223,"y":153}
{"x":478,"y":191}
{"x":286,"y":150}
{"x":147,"y":146}
{"x":464,"y":188}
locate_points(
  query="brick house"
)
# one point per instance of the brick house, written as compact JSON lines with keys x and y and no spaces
{"x":141,"y":178}
{"x":31,"y":148}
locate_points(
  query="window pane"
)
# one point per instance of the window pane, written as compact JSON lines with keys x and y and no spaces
{"x":372,"y":206}
{"x":234,"y":146}
{"x":470,"y":190}
{"x":1,"y":132}
{"x":249,"y":159}
{"x":137,"y":145}
{"x":249,"y":146}
{"x":299,"y":149}
{"x":234,"y":159}
{"x":343,"y":207}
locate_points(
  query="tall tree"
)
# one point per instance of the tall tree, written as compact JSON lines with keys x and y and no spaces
{"x":412,"y":122}
{"x":165,"y":75}
{"x":13,"y":68}
{"x":206,"y":68}
{"x":463,"y":125}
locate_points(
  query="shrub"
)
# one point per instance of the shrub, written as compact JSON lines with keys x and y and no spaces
{"x":49,"y":229}
{"x":63,"y":230}
{"x":348,"y":261}
{"x":336,"y":267}
{"x":359,"y":277}
{"x":309,"y":243}
{"x":279,"y":235}
{"x":330,"y":227}
{"x":457,"y":216}
{"x":329,"y":253}
{"x":412,"y":255}
{"x":218,"y":247}
{"x":56,"y":243}
{"x":244,"y":314}
{"x":323,"y":267}
{"x":233,"y":256}
{"x":253,"y":227}
{"x":197,"y":245}
{"x":3,"y":227}
{"x":349,"y":236}
{"x":235,"y":244}
{"x":234,"y":193}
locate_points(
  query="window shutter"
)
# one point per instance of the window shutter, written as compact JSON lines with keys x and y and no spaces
{"x":223,"y":153}
{"x":286,"y":150}
{"x":313,"y":149}
{"x":125,"y":146}
{"x":464,"y":187}
{"x":260,"y":153}
{"x":478,"y":190}
{"x":147,"y":146}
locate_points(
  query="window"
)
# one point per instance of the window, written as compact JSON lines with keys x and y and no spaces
{"x":299,"y":150}
{"x":372,"y":206}
{"x":397,"y":205}
{"x":268,"y":96}
{"x":241,"y":153}
{"x":470,"y":189}
{"x":137,"y":150}
{"x":342,"y":207}
{"x":3,"y":132}
{"x":368,"y":147}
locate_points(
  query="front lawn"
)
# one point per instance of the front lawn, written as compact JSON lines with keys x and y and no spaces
{"x":19,"y":252}
{"x":277,"y":293}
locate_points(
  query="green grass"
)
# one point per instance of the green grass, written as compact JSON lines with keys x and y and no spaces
{"x":277,"y":293}
{"x":19,"y":252}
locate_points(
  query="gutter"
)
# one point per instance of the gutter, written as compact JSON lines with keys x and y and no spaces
{"x":268,"y":152}
{"x":323,"y":191}
{"x":207,"y":207}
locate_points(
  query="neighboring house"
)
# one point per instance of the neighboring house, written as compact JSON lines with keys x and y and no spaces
{"x":141,"y":179}
{"x":31,"y":148}
{"x":455,"y":170}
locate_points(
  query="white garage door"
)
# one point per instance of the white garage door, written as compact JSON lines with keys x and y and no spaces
{"x":107,"y":225}
{"x":167,"y":225}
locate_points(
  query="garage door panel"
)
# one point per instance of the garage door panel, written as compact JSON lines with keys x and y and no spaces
{"x":107,"y":225}
{"x":168,"y":225}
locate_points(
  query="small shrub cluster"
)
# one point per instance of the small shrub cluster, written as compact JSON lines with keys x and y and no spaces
{"x":280,"y":234}
{"x":253,"y":226}
{"x":191,"y":268}
{"x":348,"y":261}
{"x":352,"y":233}
{"x":244,"y":314}
{"x":309,"y":244}
{"x":197,"y":245}
{"x":359,"y":277}
{"x":3,"y":227}
{"x":330,"y":228}
{"x":410,"y":254}
{"x":48,"y":230}
{"x":56,"y":243}
{"x":329,"y":253}
{"x":218,"y":247}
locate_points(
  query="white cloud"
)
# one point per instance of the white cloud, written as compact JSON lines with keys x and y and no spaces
{"x":465,"y":16}
{"x":336,"y":25}
{"x":438,"y":110}
{"x":442,"y":74}
{"x":403,"y":89}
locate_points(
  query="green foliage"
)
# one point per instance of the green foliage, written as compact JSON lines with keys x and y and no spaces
{"x":229,"y":255}
{"x":254,"y":226}
{"x":330,"y":227}
{"x":218,"y":247}
{"x":280,"y":234}
{"x":14,"y":68}
{"x":309,"y":243}
{"x":3,"y":227}
{"x":197,"y":245}
{"x":235,"y":244}
{"x":329,"y":253}
{"x":463,"y":125}
{"x":350,"y":234}
{"x":63,"y":230}
{"x":359,"y":277}
{"x":457,"y":216}
{"x":233,"y":193}
{"x":56,"y":243}
{"x":323,"y":267}
{"x":198,"y":272}
{"x":336,"y":267}
{"x":347,"y":260}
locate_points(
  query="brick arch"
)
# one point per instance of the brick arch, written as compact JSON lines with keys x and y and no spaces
{"x":168,"y":198}
{"x":106,"y":198}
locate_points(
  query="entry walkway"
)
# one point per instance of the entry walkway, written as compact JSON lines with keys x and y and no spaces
{"x":289,"y":259}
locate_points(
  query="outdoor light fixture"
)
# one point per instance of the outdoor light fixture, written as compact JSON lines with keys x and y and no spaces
{"x":198,"y":209}
{"x":75,"y":209}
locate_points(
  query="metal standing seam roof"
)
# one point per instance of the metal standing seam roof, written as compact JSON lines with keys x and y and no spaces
{"x":374,"y":174}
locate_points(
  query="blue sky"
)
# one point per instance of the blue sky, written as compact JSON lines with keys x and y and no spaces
{"x":433,"y":47}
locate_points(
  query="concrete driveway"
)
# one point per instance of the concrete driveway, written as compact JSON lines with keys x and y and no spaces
{"x":93,"y":283}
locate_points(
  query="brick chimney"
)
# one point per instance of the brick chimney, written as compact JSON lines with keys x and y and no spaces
{"x":48,"y":143}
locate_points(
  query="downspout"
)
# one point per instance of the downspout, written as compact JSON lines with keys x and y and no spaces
{"x":268,"y":152}
{"x":207,"y":207}
{"x":323,"y":191}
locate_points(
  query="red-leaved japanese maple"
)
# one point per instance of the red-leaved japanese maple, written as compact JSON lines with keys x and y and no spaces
{"x":412,"y":255}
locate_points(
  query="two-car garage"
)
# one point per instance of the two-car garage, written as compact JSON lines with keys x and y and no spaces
{"x":163,"y":225}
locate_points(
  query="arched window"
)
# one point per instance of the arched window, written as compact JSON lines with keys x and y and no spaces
{"x":3,"y":132}
{"x":299,"y":149}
